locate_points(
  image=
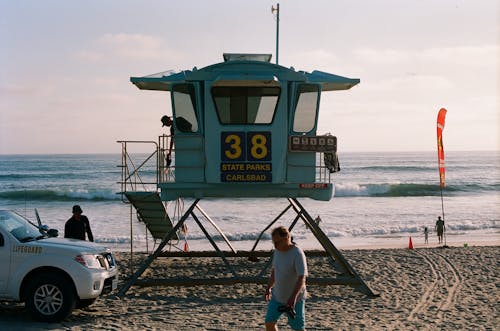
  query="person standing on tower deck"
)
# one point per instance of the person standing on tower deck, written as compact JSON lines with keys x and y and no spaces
{"x":286,"y":288}
{"x":167,"y":121}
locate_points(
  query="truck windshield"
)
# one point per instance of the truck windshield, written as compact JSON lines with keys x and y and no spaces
{"x":18,"y":226}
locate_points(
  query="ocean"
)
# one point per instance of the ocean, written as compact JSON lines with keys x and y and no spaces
{"x":381,"y":199}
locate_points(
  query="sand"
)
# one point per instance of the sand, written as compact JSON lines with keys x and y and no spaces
{"x":454,"y":288}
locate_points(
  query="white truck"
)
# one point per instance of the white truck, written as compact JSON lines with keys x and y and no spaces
{"x":52,"y":276}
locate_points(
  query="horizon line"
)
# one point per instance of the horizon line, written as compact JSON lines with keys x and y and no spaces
{"x":365,"y":152}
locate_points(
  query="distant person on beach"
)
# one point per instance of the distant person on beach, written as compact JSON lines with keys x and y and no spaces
{"x":317,"y":220}
{"x":440,"y":229}
{"x":286,"y":288}
{"x":167,"y":121}
{"x":78,"y":225}
{"x":426,"y":235}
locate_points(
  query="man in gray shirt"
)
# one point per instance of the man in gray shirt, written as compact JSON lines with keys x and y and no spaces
{"x":286,"y":289}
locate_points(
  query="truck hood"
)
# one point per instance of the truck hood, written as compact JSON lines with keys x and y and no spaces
{"x":74,"y":245}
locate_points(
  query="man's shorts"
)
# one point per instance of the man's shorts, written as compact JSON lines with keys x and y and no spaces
{"x":297,"y":323}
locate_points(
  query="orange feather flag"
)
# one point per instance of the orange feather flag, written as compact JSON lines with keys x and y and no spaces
{"x":440,"y":128}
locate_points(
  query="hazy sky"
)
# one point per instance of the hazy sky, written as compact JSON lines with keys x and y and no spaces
{"x":65,"y":67}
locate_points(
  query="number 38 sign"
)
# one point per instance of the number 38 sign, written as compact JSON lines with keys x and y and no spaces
{"x":246,"y":146}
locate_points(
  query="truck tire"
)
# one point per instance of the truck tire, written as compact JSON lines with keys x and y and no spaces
{"x":50,"y":297}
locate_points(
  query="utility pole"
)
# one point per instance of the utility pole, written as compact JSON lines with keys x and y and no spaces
{"x":277,"y":10}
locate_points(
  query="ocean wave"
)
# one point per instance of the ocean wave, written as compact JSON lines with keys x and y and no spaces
{"x":367,"y":231}
{"x":114,"y":240}
{"x":451,"y":226}
{"x":392,"y":168}
{"x":341,"y":190}
{"x":408,"y":189}
{"x":67,"y":174}
{"x":57,"y":195}
{"x":244,"y":236}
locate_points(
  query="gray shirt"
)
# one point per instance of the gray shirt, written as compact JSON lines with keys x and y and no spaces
{"x":288,"y":266}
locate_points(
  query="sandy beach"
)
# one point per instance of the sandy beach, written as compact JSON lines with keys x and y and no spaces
{"x":455,"y":288}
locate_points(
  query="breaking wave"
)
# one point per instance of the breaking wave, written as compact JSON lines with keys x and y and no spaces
{"x":374,"y":231}
{"x":57,"y":195}
{"x":341,"y":190}
{"x":408,"y":190}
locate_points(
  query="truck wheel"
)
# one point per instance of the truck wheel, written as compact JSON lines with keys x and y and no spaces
{"x":50,"y":297}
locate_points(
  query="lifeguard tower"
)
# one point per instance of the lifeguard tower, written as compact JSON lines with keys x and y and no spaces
{"x":243,"y":128}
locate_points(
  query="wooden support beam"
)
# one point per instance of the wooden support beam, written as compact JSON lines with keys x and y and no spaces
{"x":232,"y":254}
{"x":347,"y":276}
{"x":184,"y":281}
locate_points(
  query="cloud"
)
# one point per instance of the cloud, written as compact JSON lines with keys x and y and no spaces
{"x":382,"y":56}
{"x":319,"y":55}
{"x":411,"y":82}
{"x":481,"y":55}
{"x":464,"y":55}
{"x":133,"y":44}
{"x":89,"y":56}
{"x":128,"y":47}
{"x":428,"y":74}
{"x":18,"y":90}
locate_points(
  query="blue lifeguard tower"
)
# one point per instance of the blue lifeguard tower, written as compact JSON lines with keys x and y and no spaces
{"x":244,"y":127}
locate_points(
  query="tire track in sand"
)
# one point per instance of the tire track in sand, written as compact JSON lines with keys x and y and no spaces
{"x":441,"y":294}
{"x":455,"y":286}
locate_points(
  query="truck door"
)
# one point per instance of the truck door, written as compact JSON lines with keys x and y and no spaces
{"x":5,"y":252}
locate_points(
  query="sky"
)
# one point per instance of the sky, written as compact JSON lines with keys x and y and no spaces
{"x":65,"y":67}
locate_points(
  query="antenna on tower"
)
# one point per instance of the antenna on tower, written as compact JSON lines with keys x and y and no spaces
{"x":277,"y":10}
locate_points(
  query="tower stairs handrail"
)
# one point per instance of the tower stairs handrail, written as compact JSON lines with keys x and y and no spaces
{"x":133,"y":176}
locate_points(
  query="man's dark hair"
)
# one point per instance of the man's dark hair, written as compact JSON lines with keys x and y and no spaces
{"x":281,"y":231}
{"x":166,"y":120}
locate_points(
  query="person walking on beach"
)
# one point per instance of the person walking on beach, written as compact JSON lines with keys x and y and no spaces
{"x":167,"y":121}
{"x":78,"y":225}
{"x":440,"y":229}
{"x":317,"y":220}
{"x":426,"y":235}
{"x":286,"y":288}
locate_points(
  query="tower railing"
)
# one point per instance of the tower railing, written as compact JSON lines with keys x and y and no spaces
{"x":141,"y":171}
{"x":323,"y":173}
{"x":144,"y":176}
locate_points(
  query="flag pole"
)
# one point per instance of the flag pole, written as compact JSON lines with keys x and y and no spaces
{"x":444,"y":222}
{"x":277,"y":10}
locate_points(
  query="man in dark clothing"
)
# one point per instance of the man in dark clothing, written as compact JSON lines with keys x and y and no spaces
{"x":167,"y":121}
{"x":440,"y":229}
{"x":78,"y":225}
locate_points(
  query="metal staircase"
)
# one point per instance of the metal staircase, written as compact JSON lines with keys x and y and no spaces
{"x":139,"y":187}
{"x":152,"y":212}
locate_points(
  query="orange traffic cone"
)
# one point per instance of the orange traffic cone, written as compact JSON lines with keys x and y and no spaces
{"x":186,"y":247}
{"x":410,"y":244}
